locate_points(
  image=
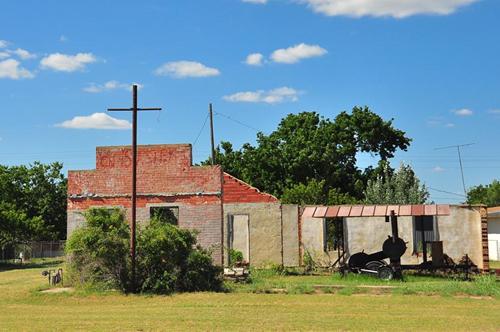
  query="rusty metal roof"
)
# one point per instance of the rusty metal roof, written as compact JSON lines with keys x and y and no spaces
{"x":375,"y":210}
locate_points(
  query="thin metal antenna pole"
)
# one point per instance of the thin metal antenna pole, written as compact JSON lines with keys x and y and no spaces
{"x":461,"y":169}
{"x":459,"y":160}
{"x":212,"y":133}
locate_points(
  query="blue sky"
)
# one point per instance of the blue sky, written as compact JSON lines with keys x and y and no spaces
{"x":432,"y":65}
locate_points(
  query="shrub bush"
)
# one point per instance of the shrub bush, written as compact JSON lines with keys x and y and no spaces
{"x":168,"y":260}
{"x":98,"y":252}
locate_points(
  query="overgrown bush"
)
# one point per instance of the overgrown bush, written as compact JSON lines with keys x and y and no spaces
{"x":235,"y":257}
{"x":98,"y":252}
{"x":168,"y":259}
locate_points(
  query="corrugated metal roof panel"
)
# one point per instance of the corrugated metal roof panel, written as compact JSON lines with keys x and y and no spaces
{"x":394,"y":208}
{"x":308,"y":212}
{"x":380,"y":210}
{"x":368,"y":211}
{"x":356,"y":211}
{"x":320,"y":212}
{"x":374,"y":210}
{"x":443,"y":210}
{"x":344,"y":211}
{"x":417,"y":210}
{"x":430,"y":210}
{"x":405,"y":210}
{"x":332,"y":211}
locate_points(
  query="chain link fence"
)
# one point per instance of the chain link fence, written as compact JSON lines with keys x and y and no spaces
{"x":35,"y":249}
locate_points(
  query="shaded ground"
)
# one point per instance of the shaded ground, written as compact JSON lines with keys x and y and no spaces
{"x":23,"y":307}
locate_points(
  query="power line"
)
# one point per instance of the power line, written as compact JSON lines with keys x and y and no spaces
{"x":201,"y":130}
{"x":447,"y":192}
{"x":237,"y":121}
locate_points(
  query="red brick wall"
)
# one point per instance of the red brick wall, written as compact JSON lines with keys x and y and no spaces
{"x":237,"y":191}
{"x":161,"y":169}
{"x":164,"y":176}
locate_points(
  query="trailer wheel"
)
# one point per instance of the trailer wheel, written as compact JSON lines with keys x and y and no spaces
{"x":375,"y":265}
{"x":385,"y":273}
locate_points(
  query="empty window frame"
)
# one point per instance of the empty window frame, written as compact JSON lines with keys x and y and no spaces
{"x":333,"y":234}
{"x":424,"y":226}
{"x":166,"y":214}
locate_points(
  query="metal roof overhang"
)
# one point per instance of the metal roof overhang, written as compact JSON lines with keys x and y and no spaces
{"x":336,"y":211}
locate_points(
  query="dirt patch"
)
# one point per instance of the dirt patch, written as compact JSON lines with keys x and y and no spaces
{"x":58,"y":290}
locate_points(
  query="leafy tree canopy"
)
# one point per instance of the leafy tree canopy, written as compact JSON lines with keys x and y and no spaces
{"x":315,"y":156}
{"x":32,"y":202}
{"x":396,"y":187}
{"x":485,"y":194}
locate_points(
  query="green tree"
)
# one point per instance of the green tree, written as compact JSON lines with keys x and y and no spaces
{"x":485,"y":194}
{"x":401,"y":186}
{"x":38,"y":194}
{"x":307,"y":151}
{"x":17,"y":227}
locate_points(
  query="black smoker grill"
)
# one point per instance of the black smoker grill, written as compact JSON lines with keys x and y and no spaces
{"x":393,"y":248}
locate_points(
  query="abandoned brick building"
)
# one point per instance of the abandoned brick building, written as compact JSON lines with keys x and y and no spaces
{"x":230,"y":214}
{"x":226,"y":212}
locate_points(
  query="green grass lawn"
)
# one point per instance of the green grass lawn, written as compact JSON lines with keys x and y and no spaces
{"x":23,"y":307}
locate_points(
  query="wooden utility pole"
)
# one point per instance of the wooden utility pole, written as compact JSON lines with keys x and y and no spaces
{"x":134,"y":111}
{"x":212,"y":133}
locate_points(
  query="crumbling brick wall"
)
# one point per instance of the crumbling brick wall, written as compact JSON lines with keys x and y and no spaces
{"x":165,"y":177}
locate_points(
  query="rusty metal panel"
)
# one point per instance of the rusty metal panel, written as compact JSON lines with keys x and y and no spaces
{"x":443,"y":210}
{"x":417,"y":210}
{"x":344,"y":211}
{"x":430,"y":210}
{"x":405,"y":210}
{"x":391,"y":208}
{"x":320,"y":212}
{"x":356,"y":211}
{"x":332,"y":211}
{"x":380,"y":210}
{"x":368,"y":211}
{"x":308,"y":212}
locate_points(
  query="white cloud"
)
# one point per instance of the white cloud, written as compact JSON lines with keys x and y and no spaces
{"x":438,"y":169}
{"x":296,"y":53}
{"x":23,"y":54}
{"x":67,"y":63}
{"x":110,"y":85}
{"x":254,"y":59}
{"x":63,"y":39}
{"x":393,"y":8}
{"x":259,"y":2}
{"x":10,"y":69}
{"x":439,"y":122}
{"x":95,"y":121}
{"x":274,"y":96}
{"x":3,"y":43}
{"x":184,"y":69}
{"x":463,"y":112}
{"x":4,"y":55}
{"x":494,"y":111}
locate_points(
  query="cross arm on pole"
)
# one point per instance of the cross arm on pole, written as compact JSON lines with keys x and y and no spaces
{"x":131,"y":109}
